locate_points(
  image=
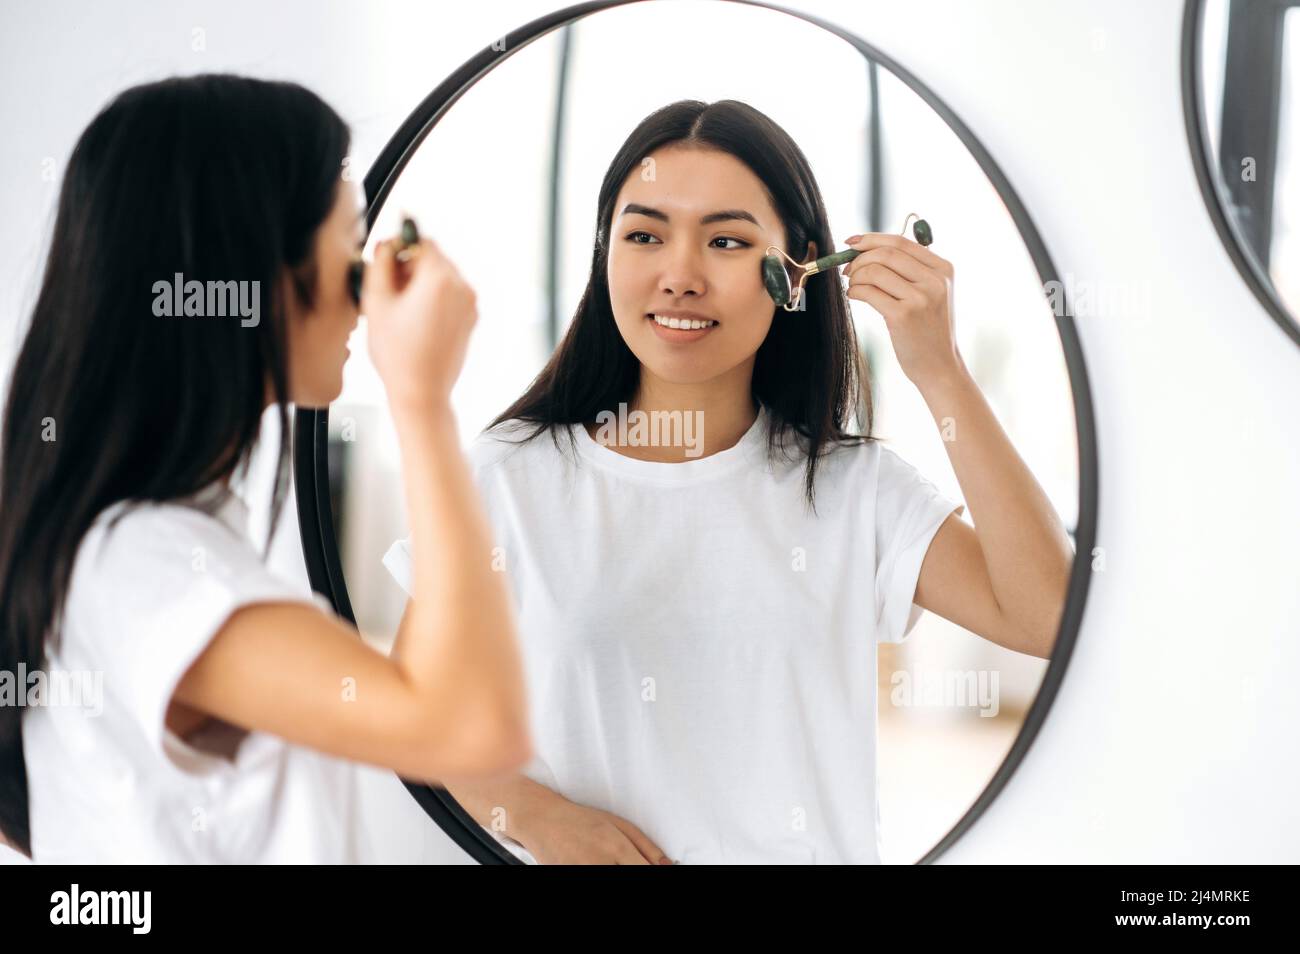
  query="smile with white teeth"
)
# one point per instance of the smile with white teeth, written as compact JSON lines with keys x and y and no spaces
{"x":686,"y":323}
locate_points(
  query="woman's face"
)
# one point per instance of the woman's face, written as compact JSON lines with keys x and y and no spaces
{"x":318,"y":336}
{"x":688,"y":236}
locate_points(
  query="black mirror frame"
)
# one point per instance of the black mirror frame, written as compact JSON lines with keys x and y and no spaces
{"x":1198,"y":142}
{"x":311,"y":426}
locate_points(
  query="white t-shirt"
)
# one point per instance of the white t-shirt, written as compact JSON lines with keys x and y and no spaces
{"x":699,"y":650}
{"x":117,"y":785}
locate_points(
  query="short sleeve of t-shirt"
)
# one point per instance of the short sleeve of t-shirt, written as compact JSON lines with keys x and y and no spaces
{"x":488,"y":449}
{"x":146,"y":599}
{"x":909,"y":511}
{"x":399,"y":563}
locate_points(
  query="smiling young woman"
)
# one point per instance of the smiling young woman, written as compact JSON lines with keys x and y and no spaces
{"x":699,"y":617}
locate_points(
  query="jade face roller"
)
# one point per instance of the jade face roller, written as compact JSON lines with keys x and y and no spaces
{"x":777,"y":280}
{"x":409,"y":237}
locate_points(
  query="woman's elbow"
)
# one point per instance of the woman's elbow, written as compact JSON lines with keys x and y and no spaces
{"x":505,"y":746}
{"x":477,"y":745}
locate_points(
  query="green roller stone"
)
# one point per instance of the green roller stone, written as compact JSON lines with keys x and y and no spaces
{"x":921,"y":229}
{"x":775,"y":279}
{"x":410,"y":234}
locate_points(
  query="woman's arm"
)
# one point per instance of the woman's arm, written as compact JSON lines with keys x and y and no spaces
{"x":1005,"y":579}
{"x":460,"y":623}
{"x":450,"y":698}
{"x":509,"y":804}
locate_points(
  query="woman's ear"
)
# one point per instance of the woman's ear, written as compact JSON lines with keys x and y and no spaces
{"x":809,"y":255}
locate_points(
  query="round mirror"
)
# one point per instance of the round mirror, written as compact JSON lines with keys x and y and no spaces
{"x":1241,"y":100}
{"x":729,"y":681}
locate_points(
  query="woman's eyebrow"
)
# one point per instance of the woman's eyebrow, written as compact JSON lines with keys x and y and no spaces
{"x":724,"y":215}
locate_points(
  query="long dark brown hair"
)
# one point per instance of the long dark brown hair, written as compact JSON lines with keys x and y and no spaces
{"x":213,"y":176}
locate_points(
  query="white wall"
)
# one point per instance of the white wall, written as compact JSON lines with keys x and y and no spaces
{"x":1173,"y":736}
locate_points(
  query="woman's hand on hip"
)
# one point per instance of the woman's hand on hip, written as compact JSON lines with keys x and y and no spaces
{"x":561,"y":832}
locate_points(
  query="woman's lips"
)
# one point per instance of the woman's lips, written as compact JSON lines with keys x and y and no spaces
{"x":679,"y":335}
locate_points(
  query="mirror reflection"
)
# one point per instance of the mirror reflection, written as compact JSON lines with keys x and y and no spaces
{"x":1250,"y":94}
{"x":786,"y":580}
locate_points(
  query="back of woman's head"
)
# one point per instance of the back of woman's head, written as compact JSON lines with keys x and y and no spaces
{"x":808,"y":372}
{"x":119,"y":395}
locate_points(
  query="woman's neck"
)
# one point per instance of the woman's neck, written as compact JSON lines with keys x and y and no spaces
{"x":715,"y":415}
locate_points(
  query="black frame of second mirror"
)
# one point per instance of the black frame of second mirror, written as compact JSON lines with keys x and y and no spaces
{"x":311,"y":426}
{"x":1198,"y":141}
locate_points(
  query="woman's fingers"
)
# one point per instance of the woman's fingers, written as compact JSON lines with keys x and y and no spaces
{"x":874,"y":297}
{"x":904,"y":244}
{"x":897,"y":266}
{"x":385,"y":277}
{"x":428,"y":262}
{"x":898,"y":260}
{"x":884,"y":278}
{"x":640,"y":840}
{"x":381,"y":277}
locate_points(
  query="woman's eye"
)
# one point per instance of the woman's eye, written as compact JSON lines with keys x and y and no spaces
{"x":634,"y":238}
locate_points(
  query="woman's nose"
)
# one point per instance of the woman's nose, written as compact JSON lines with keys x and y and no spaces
{"x":683,"y":273}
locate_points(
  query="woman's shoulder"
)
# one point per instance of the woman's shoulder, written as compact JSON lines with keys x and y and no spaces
{"x":891,"y":467}
{"x":133,"y":527}
{"x":846,"y":452}
{"x":515,"y":443}
{"x":140,"y":553}
{"x":872,"y":465}
{"x":139,"y":564}
{"x":140,"y":528}
{"x":872,"y":453}
{"x":879,"y":465}
{"x":171,"y":565}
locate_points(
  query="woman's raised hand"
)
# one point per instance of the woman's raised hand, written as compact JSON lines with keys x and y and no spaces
{"x":420,"y":314}
{"x":911,"y":287}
